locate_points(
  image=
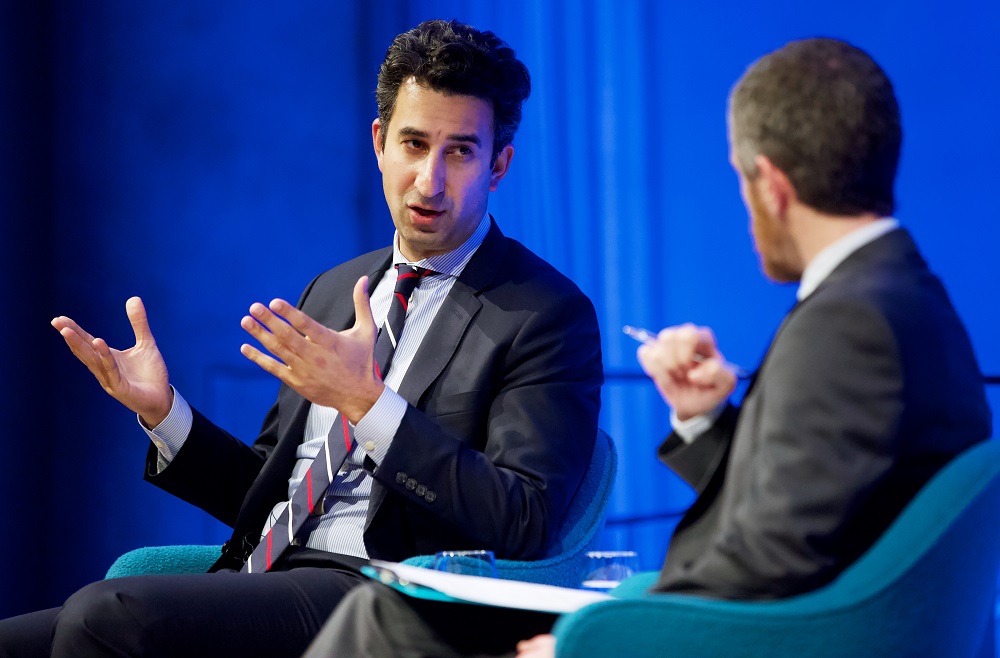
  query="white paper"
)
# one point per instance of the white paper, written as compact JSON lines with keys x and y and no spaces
{"x":494,"y":591}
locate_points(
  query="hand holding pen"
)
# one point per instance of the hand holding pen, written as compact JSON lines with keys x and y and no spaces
{"x":687,"y":367}
{"x":647,"y":336}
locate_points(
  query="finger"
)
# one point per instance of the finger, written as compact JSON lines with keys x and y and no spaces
{"x":103,"y":352}
{"x":87,"y":355}
{"x":363,"y":318}
{"x":136,"y":312}
{"x":81,"y":349}
{"x":274,"y":344}
{"x":62,"y":322}
{"x":648,"y":357}
{"x":279,"y":333}
{"x":684,"y":343}
{"x":301,"y":322}
{"x":705,"y":343}
{"x":108,"y":373}
{"x":267,"y":363}
{"x":657,"y":357}
{"x":707,"y":373}
{"x":714,"y":372}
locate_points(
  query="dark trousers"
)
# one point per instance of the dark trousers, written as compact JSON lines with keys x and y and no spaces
{"x":184,"y":616}
{"x":377,"y":621}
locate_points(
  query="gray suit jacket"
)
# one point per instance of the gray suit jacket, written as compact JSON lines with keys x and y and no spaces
{"x":503,"y":392}
{"x":869,"y":387}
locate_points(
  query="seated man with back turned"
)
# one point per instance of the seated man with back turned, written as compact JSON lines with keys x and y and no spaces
{"x":476,"y":437}
{"x":869,"y":386}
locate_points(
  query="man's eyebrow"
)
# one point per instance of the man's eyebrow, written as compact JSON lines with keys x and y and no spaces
{"x":472,"y":138}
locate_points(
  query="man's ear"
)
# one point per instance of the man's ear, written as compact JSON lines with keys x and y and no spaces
{"x":777,"y":190}
{"x":377,"y":142}
{"x":501,"y":166}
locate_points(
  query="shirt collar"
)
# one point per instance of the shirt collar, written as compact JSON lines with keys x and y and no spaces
{"x":453,"y":262}
{"x":827,"y":260}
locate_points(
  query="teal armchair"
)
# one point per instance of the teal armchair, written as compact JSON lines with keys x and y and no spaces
{"x":566,"y":559}
{"x":926,"y":588}
{"x":562,"y":565}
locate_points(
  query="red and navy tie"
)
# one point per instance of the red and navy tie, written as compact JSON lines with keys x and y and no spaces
{"x":339,"y":441}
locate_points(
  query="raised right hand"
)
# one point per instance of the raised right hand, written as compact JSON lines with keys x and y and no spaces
{"x":688,"y":369}
{"x":136,"y":377}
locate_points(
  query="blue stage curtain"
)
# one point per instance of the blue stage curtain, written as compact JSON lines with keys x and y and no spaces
{"x":209,"y":155}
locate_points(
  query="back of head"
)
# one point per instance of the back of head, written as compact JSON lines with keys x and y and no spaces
{"x":453,"y":58}
{"x":825,"y":114}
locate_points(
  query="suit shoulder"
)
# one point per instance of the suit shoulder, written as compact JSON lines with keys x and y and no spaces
{"x":530,"y":270}
{"x":347,"y":273}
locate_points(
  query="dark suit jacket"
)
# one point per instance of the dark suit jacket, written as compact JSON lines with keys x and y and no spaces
{"x":868,"y":388}
{"x":504,"y":394}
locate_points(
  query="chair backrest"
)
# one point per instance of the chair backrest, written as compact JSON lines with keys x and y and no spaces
{"x":929,"y":582}
{"x":579,"y":531}
{"x":585,"y":515}
{"x":927,"y":587}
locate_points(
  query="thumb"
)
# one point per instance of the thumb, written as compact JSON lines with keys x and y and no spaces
{"x":136,"y":312}
{"x":363,"y":319}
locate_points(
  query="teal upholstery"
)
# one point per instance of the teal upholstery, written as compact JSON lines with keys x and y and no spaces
{"x":926,"y":588}
{"x":565,"y":561}
{"x":562,"y":566}
{"x":187,"y":558}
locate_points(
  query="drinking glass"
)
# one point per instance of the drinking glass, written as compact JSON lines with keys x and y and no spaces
{"x":470,"y":563}
{"x":606,"y":569}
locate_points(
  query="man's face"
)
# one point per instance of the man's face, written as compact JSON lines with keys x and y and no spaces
{"x":435,"y":166}
{"x":779,"y":257}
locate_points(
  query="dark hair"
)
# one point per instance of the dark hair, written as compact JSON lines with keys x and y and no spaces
{"x":825,"y":114}
{"x":453,"y":58}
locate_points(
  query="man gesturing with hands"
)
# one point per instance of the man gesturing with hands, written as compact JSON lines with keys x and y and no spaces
{"x":327,"y":367}
{"x":476,"y":435}
{"x":869,"y":386}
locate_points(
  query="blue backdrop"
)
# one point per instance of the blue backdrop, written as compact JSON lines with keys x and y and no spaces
{"x":208,"y":155}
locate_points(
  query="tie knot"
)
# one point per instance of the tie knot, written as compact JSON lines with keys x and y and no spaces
{"x":408,"y":277}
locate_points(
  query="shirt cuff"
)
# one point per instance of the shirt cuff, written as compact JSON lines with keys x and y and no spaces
{"x":170,"y":434}
{"x":376,"y":428}
{"x":693,"y":427}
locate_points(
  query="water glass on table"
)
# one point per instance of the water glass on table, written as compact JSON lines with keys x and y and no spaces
{"x":605,"y":570}
{"x":470,"y":563}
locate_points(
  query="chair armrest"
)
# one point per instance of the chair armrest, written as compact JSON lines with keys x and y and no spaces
{"x":188,"y":558}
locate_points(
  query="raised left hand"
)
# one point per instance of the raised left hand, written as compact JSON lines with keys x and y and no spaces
{"x":327,"y":367}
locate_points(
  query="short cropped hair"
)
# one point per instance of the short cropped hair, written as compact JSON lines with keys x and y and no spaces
{"x":825,"y":114}
{"x":453,"y":58}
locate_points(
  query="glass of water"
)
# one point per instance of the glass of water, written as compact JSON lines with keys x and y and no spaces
{"x":606,"y":569}
{"x":470,"y":563}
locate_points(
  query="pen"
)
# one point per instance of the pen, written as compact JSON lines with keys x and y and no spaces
{"x":647,"y":336}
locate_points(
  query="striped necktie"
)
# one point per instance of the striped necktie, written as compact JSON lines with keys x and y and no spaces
{"x":307,"y":497}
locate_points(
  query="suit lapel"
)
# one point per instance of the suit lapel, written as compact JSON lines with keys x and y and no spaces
{"x":443,"y":337}
{"x":453,"y":318}
{"x":446,"y":331}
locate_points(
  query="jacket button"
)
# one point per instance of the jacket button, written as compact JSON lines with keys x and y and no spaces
{"x":421,"y":490}
{"x":400,"y":477}
{"x":430,"y":496}
{"x":411,"y":484}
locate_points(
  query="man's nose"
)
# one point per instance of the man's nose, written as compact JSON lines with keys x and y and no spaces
{"x":431,"y":176}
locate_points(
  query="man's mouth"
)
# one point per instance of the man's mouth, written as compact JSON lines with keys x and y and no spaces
{"x":426,"y":212}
